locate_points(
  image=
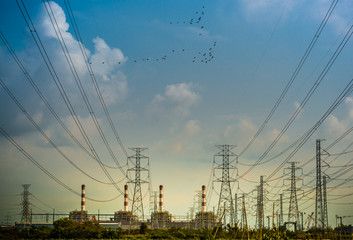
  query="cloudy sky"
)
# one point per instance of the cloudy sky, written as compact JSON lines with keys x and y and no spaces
{"x":178,"y":78}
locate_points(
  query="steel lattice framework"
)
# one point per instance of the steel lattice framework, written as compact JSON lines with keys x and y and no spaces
{"x":293,"y":212}
{"x":260,"y":204}
{"x":319,"y":213}
{"x":137,"y":200}
{"x":225,"y":202}
{"x":325,"y":213}
{"x":281,"y":209}
{"x":26,"y":212}
{"x":243,"y":220}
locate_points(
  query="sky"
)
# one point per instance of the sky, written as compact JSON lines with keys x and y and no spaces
{"x":177,"y":77}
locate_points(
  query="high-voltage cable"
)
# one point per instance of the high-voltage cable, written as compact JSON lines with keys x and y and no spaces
{"x":62,"y":91}
{"x":79,"y":83}
{"x":91,"y":73}
{"x":345,"y":93}
{"x":348,"y":89}
{"x":50,"y":141}
{"x":294,"y":75}
{"x":45,"y":101}
{"x":35,"y":162}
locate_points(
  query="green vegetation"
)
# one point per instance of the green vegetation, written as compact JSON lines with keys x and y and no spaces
{"x":68,"y":229}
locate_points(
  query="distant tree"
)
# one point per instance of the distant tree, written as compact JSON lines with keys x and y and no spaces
{"x":143,"y":228}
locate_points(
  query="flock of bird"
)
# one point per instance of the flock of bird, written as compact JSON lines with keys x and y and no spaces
{"x":200,"y":56}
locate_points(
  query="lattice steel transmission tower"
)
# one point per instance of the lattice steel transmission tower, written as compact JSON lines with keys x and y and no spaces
{"x":225,"y":195}
{"x":281,"y":209}
{"x":293,"y":212}
{"x":319,"y":207}
{"x":235,"y":208}
{"x":139,"y":168}
{"x":260,"y":204}
{"x":325,"y":218}
{"x":26,"y":212}
{"x":243,"y":220}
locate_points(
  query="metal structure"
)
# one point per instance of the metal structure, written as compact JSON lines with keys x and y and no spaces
{"x":138,"y":169}
{"x":225,"y":195}
{"x":325,"y":213}
{"x":204,"y":219}
{"x":243,"y":224}
{"x":235,"y":207}
{"x":293,"y":212}
{"x":26,"y":212}
{"x":281,"y":210}
{"x":319,"y":210}
{"x":260,"y":203}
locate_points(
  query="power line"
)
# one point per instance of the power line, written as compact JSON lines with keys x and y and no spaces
{"x":346,"y":91}
{"x":79,"y":83}
{"x":62,"y":91}
{"x":294,"y":75}
{"x":50,"y":141}
{"x":45,"y":101}
{"x":92,"y":75}
{"x":35,"y":162}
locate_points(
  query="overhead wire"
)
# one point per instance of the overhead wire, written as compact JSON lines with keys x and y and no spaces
{"x":304,"y":101}
{"x":79,"y":82}
{"x":50,"y":141}
{"x":294,"y":75}
{"x":348,"y":89}
{"x":61,"y":89}
{"x":91,"y":73}
{"x":43,"y":98}
{"x":49,"y":174}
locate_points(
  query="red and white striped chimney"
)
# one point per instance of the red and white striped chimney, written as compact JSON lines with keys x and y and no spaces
{"x":83,"y":198}
{"x":160,"y":198}
{"x":203,"y":209}
{"x":126,"y":199}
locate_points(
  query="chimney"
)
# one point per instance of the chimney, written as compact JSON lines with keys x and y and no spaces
{"x":160,"y":198}
{"x":83,"y":198}
{"x":126,"y":199}
{"x":203,"y":208}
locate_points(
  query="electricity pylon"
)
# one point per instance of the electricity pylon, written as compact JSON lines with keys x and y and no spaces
{"x":224,"y":166}
{"x":138,"y":169}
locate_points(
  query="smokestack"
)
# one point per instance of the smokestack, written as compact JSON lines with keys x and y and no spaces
{"x":83,"y":198}
{"x":160,"y":198}
{"x":126,"y":199}
{"x":203,"y":208}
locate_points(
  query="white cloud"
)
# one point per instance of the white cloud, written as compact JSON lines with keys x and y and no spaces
{"x":267,"y":10}
{"x":192,"y":128}
{"x":105,"y":60}
{"x":299,"y":108}
{"x":177,"y":100}
{"x":334,"y":125}
{"x":349,"y":102}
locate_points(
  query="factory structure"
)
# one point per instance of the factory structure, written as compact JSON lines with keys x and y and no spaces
{"x":126,"y":219}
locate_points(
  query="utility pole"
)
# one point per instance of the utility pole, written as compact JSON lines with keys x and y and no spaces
{"x":225,"y":202}
{"x":26,"y":212}
{"x":138,"y":169}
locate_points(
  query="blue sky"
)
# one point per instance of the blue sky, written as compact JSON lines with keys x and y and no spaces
{"x":178,"y":106}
